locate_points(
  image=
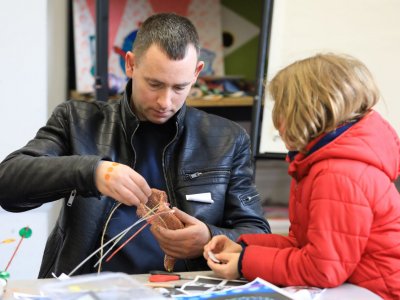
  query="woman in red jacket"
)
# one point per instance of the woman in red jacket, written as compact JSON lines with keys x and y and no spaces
{"x":344,"y":208}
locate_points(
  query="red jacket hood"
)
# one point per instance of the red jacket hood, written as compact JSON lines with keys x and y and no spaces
{"x":371,"y":140}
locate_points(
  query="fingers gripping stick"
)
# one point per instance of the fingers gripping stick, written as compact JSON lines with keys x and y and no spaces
{"x":213,"y":258}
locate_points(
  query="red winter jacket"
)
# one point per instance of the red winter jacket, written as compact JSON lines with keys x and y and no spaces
{"x":345,"y":216}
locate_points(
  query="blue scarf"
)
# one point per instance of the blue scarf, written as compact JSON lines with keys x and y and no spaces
{"x":329,"y":137}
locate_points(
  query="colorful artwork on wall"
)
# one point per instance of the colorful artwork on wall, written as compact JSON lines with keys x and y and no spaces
{"x":125,"y":17}
{"x":241,"y":28}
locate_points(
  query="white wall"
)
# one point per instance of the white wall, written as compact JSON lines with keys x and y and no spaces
{"x":23,"y":76}
{"x":366,"y":29}
{"x":33,"y":64}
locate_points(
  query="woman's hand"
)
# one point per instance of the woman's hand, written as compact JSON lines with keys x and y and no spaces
{"x":227,"y":252}
{"x":221,"y":243}
{"x":228,"y":266}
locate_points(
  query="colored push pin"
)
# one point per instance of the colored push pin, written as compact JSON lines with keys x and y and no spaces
{"x":7,"y":241}
{"x":4,"y":275}
{"x":24,"y":233}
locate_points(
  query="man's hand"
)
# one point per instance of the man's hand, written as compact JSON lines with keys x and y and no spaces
{"x":183,"y":243}
{"x":122,"y":183}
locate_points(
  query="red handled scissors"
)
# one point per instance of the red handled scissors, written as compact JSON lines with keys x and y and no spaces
{"x":163,"y":276}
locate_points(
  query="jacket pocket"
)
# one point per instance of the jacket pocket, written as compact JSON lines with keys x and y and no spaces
{"x":249,"y":198}
{"x":214,"y":181}
{"x":205,"y":177}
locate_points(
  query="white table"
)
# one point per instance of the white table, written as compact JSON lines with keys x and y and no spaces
{"x":345,"y":291}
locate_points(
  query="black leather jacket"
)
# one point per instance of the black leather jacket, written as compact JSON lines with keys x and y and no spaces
{"x":207,"y":154}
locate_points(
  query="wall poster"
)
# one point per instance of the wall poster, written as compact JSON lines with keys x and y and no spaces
{"x":125,"y":17}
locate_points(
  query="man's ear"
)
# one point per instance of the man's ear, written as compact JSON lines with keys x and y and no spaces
{"x":199,"y":67}
{"x":129,"y":63}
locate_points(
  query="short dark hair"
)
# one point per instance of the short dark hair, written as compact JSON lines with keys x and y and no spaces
{"x":171,"y":32}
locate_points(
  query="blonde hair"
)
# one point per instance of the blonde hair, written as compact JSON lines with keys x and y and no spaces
{"x":316,"y":95}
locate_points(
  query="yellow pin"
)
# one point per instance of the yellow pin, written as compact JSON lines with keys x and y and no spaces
{"x":7,"y":241}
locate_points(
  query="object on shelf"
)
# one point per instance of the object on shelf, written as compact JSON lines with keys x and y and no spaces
{"x":214,"y":88}
{"x":191,"y":101}
{"x":89,"y":96}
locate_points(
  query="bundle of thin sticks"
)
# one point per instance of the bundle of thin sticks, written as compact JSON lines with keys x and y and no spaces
{"x":158,"y":206}
{"x":156,"y":212}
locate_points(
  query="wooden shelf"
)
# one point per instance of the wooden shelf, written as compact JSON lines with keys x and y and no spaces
{"x":195,"y":102}
{"x":225,"y":101}
{"x":73,"y":94}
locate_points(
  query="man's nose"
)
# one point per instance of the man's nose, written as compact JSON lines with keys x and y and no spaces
{"x":165,"y":99}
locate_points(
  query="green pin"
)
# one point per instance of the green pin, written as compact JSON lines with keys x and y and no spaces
{"x":25,"y":232}
{"x":4,"y":275}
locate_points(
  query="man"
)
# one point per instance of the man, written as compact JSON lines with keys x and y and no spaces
{"x":97,"y":155}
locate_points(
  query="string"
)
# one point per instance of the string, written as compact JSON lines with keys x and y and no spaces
{"x":110,"y":241}
{"x":103,"y":235}
{"x":119,"y":235}
{"x":99,"y":262}
{"x":126,"y":242}
{"x":133,"y":235}
{"x":146,"y":217}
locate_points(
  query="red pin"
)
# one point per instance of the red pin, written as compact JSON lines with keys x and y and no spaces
{"x":24,"y":233}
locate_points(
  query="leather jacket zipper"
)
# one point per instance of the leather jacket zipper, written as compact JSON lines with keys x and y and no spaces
{"x":162,"y":160}
{"x":195,"y":175}
{"x":169,"y":194}
{"x":71,"y":198}
{"x":251,"y":197}
{"x":133,"y":148}
{"x":163,"y":164}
